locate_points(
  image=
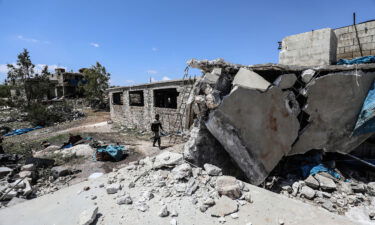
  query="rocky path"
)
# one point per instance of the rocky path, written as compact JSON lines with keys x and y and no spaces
{"x":166,"y":190}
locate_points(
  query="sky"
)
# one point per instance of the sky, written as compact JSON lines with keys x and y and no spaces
{"x":141,"y":40}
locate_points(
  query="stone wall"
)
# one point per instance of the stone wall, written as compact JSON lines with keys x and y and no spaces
{"x":140,"y":117}
{"x":347,"y":46}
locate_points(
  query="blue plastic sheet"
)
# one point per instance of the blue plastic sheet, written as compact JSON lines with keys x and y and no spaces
{"x":366,"y":119}
{"x":359,"y":60}
{"x":315,"y":169}
{"x":116,"y":151}
{"x":22,"y":131}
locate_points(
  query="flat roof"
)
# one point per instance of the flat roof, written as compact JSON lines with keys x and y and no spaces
{"x":153,"y":84}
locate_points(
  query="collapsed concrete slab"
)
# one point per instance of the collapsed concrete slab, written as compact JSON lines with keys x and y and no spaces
{"x":333,"y":104}
{"x":259,"y":114}
{"x":256,"y":129}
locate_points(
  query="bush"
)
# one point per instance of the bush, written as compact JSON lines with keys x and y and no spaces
{"x":42,"y":115}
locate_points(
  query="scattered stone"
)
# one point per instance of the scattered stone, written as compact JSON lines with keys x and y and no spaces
{"x":191,"y":186}
{"x":88,"y":216}
{"x":307,"y":192}
{"x":325,"y":182}
{"x":371,"y":188}
{"x":167,"y":159}
{"x":174,"y":213}
{"x":113,"y":188}
{"x":371,"y":215}
{"x":227,"y":185}
{"x":212,"y":170}
{"x":285,"y":81}
{"x":86,"y":188}
{"x":182,"y":171}
{"x":23,"y":174}
{"x":125,"y":200}
{"x":28,"y":167}
{"x":247,"y":197}
{"x":312,"y":182}
{"x":358,"y":188}
{"x":234,"y":215}
{"x":328,"y":205}
{"x":148,"y":195}
{"x":203,"y":208}
{"x":4,"y":171}
{"x":164,"y":211}
{"x":60,"y":171}
{"x":224,"y":206}
{"x":209,"y":202}
{"x":307,"y":75}
{"x":94,"y":197}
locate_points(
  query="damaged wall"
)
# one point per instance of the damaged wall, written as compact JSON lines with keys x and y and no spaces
{"x":133,"y":114}
{"x":261,"y":113}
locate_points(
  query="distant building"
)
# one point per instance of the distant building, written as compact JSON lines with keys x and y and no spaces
{"x":136,"y":106}
{"x":62,"y":84}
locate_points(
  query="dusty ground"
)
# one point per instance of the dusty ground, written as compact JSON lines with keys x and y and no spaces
{"x":96,"y":125}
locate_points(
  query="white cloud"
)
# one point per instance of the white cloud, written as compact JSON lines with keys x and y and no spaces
{"x":96,"y":45}
{"x":20,"y":37}
{"x":37,"y":69}
{"x":3,"y":68}
{"x":154,"y":49}
{"x":165,"y":78}
{"x":152,"y":79}
{"x":152,"y":71}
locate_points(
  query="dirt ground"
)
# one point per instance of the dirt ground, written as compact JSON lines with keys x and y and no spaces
{"x":97,"y":126}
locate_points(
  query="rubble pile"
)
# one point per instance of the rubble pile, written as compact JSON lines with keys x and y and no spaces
{"x":259,"y":114}
{"x":167,"y":178}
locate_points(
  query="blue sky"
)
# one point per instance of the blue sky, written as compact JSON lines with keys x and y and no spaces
{"x":136,"y":40}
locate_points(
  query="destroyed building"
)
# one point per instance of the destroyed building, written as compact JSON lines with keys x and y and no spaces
{"x":136,"y":106}
{"x":61,"y":84}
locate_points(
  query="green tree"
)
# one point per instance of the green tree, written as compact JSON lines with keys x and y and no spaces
{"x":96,"y":83}
{"x":19,"y":73}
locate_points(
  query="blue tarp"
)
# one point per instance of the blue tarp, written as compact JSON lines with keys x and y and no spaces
{"x":359,"y":60}
{"x":366,"y":119}
{"x":116,"y":151}
{"x":22,"y":131}
{"x":315,"y":169}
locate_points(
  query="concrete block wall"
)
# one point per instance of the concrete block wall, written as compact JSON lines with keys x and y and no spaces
{"x":347,"y":42}
{"x":312,"y":48}
{"x":140,"y":117}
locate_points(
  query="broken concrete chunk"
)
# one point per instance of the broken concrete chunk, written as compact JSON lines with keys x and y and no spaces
{"x":223,"y":207}
{"x":249,"y":131}
{"x":227,"y":185}
{"x":4,"y":171}
{"x":325,"y":183}
{"x":163,"y":211}
{"x":285,"y":81}
{"x":113,"y":188}
{"x":166,"y":159}
{"x":213,"y":100}
{"x":307,"y":75}
{"x":358,"y":187}
{"x":125,"y":200}
{"x":333,"y":104}
{"x":88,"y":216}
{"x":307,"y":192}
{"x":312,"y":182}
{"x":28,"y":167}
{"x":212,"y":170}
{"x":60,"y":171}
{"x":249,"y":79}
{"x":371,"y":188}
{"x":23,"y":174}
{"x":182,"y":171}
{"x":210,"y":78}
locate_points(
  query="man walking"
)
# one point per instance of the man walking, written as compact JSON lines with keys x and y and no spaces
{"x":155,"y":126}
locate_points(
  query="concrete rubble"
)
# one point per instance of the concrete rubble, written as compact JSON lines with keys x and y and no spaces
{"x":262,"y":113}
